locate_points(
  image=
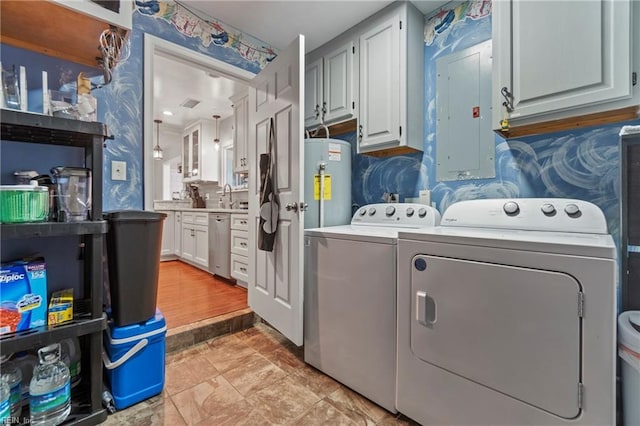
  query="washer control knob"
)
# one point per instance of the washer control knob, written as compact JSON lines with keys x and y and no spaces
{"x":410,"y":211}
{"x":422,"y":212}
{"x":511,"y":208}
{"x":372,"y":211}
{"x":572,"y":210}
{"x":390,"y":210}
{"x":363,"y":211}
{"x":548,"y":209}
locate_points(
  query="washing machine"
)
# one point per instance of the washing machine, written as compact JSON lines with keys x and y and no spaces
{"x":350,"y":297}
{"x":507,"y":315}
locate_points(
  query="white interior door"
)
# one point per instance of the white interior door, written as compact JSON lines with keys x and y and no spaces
{"x":275,"y":284}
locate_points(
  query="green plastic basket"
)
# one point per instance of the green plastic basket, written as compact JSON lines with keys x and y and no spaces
{"x":23,"y":203}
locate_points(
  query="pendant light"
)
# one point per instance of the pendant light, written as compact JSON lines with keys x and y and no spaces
{"x":216,"y":141}
{"x":157,"y":151}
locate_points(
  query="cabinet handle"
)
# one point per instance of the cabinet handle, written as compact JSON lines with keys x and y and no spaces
{"x":508,"y":99}
{"x":324,"y":110}
{"x":317,"y":111}
{"x":243,"y":244}
{"x":243,"y":222}
{"x":243,"y":270}
{"x":360,"y":132}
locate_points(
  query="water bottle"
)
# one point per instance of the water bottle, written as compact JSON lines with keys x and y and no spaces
{"x":50,"y":388}
{"x":5,"y":406}
{"x":12,"y":376}
{"x":71,"y":357}
{"x":26,"y":362}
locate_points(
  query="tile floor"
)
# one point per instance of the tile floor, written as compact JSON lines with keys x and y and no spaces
{"x":252,"y":377}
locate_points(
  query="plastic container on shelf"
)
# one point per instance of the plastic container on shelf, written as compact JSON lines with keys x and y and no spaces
{"x":73,"y":193}
{"x":134,"y":360}
{"x":629,"y":352}
{"x":26,"y":362}
{"x":50,"y":388}
{"x":134,"y":241}
{"x":12,"y":376}
{"x":23,"y":203}
{"x":71,"y":357}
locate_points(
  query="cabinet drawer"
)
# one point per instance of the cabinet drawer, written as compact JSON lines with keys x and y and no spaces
{"x":240,"y":242}
{"x":240,"y":221}
{"x":239,"y":267}
{"x":195,"y":218}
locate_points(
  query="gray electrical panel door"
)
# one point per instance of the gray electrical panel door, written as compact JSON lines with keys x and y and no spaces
{"x":465,"y":147}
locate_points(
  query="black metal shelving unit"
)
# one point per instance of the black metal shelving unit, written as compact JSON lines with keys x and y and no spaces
{"x":40,"y":129}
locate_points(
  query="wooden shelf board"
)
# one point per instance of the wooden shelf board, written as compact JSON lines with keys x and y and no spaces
{"x":51,"y":29}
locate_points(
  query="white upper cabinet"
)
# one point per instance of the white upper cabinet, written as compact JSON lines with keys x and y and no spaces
{"x":313,"y":93}
{"x":115,"y":12}
{"x":240,"y":116}
{"x":560,"y":59}
{"x":392,"y":81}
{"x":200,"y":158}
{"x":330,"y":83}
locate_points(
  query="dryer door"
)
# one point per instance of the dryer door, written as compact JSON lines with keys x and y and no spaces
{"x":515,"y":330}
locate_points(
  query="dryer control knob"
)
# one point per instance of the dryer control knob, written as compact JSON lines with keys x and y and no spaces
{"x":511,"y":208}
{"x":410,"y":211}
{"x":548,"y":209}
{"x":422,"y":212}
{"x":390,"y":211}
{"x":372,"y":211}
{"x":363,"y":212}
{"x":572,"y":210}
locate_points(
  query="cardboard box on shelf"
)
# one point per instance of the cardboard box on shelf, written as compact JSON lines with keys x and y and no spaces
{"x":61,"y":306}
{"x":23,"y":295}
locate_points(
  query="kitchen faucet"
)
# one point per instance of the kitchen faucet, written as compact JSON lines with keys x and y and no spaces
{"x":224,"y":191}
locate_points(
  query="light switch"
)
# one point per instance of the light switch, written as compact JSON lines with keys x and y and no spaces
{"x":118,"y":170}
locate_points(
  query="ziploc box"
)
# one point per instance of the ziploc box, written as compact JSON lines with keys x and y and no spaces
{"x":23,"y":295}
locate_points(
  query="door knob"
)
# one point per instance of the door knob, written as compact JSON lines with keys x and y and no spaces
{"x":291,"y":206}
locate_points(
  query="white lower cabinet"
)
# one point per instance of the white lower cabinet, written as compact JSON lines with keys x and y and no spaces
{"x":195,"y":238}
{"x":168,"y":235}
{"x":177,"y":233}
{"x":240,"y":248}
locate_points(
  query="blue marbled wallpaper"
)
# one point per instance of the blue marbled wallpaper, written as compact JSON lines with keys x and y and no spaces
{"x":124,"y":96}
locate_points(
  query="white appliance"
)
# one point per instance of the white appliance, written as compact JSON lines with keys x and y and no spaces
{"x":506,"y":315}
{"x":350,"y":297}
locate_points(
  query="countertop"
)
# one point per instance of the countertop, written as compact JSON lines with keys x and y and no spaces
{"x":205,"y":210}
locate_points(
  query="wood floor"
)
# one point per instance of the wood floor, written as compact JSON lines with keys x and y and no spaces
{"x":187,"y":294}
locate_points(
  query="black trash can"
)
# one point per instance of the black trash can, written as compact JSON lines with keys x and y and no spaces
{"x":134,"y":241}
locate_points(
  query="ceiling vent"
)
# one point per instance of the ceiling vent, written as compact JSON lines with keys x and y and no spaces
{"x":189,"y":103}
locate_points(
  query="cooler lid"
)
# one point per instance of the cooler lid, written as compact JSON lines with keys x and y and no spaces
{"x":154,"y":325}
{"x":133,"y":215}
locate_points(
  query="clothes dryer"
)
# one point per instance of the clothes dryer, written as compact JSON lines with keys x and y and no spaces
{"x":506,"y":315}
{"x":350,"y":297}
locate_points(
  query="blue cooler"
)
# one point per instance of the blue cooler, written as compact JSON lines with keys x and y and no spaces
{"x":133,"y":357}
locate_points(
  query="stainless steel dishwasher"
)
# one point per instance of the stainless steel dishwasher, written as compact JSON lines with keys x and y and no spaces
{"x":220,"y":244}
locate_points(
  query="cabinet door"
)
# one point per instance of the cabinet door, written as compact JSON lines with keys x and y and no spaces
{"x":313,"y":93}
{"x":195,"y":152}
{"x":188,"y":242}
{"x":168,"y":234}
{"x":177,"y":243}
{"x":380,"y":68}
{"x":186,"y":156}
{"x":240,"y":163}
{"x":201,"y":245}
{"x":339,"y":99}
{"x":560,"y":55}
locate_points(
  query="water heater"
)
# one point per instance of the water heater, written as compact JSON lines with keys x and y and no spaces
{"x":327,"y":182}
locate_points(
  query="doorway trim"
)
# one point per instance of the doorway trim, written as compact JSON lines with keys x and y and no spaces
{"x":155,"y":45}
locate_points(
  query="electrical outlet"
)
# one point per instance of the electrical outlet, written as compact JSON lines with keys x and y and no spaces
{"x":118,"y":170}
{"x":425,"y":197}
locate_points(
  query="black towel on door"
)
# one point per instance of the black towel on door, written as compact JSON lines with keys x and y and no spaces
{"x":269,"y":204}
